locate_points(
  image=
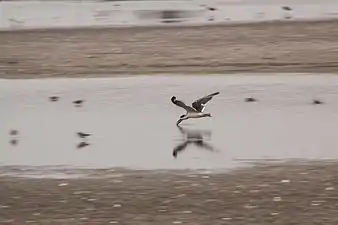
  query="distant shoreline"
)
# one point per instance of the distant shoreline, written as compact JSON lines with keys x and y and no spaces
{"x":274,"y":46}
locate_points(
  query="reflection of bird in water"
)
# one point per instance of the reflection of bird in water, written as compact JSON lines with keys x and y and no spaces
{"x":193,"y":137}
{"x":13,"y":142}
{"x":82,"y":144}
{"x":196,"y":111}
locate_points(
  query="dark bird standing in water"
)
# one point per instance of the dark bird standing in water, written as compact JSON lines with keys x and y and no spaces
{"x":250,"y":99}
{"x":287,"y":8}
{"x":15,"y":140}
{"x":78,"y":102}
{"x":196,"y":111}
{"x":211,"y":8}
{"x":13,"y":132}
{"x":317,"y":102}
{"x":53,"y":98}
{"x":83,"y":143}
{"x":83,"y":135}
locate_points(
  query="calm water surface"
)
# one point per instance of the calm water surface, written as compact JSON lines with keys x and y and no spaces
{"x":132,"y":121}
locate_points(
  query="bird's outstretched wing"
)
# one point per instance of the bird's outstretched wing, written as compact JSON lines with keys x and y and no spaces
{"x":182,"y":104}
{"x":199,"y":104}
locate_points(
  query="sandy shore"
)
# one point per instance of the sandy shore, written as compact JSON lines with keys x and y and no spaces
{"x":303,"y":194}
{"x":263,"y":47}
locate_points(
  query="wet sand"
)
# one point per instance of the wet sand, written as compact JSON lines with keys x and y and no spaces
{"x":263,"y":47}
{"x":295,"y":193}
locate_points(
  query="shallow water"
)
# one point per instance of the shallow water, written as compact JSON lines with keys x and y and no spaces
{"x":132,"y":121}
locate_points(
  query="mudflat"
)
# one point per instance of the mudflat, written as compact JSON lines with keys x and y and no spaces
{"x":298,"y":193}
{"x":289,"y":46}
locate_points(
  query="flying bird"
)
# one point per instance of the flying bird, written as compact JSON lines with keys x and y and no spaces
{"x":197,"y":109}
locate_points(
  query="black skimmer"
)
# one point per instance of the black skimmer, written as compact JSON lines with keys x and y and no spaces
{"x":196,"y":111}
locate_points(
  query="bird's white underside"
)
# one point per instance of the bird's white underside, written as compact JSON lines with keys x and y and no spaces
{"x":194,"y":114}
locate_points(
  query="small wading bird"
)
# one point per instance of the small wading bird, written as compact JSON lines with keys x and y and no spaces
{"x":13,"y":132}
{"x":53,"y":98}
{"x":82,"y":135}
{"x":78,"y":103}
{"x":196,"y":111}
{"x":317,"y":102}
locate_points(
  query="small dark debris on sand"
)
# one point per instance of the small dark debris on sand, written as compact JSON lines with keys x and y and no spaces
{"x":12,"y":62}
